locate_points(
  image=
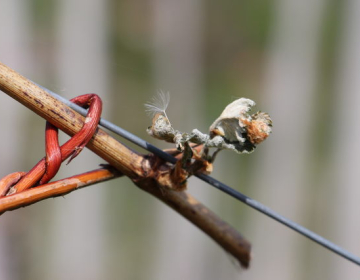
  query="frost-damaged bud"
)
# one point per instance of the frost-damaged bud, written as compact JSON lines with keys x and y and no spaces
{"x":259,"y":128}
{"x":240,"y":130}
{"x":161,"y":128}
{"x":234,"y":130}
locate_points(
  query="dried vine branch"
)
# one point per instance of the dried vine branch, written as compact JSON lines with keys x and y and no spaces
{"x":147,"y":172}
{"x":57,"y":188}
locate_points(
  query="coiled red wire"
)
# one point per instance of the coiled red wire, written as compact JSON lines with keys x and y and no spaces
{"x":47,"y":167}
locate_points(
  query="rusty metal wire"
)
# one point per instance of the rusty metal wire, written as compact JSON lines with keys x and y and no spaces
{"x":217,"y":184}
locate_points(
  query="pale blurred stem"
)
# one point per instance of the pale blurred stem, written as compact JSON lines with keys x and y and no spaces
{"x":144,"y":171}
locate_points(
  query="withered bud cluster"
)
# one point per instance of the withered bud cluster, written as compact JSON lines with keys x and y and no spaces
{"x":235,"y":129}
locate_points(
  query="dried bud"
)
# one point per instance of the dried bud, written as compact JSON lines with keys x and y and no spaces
{"x":234,"y":130}
{"x":161,"y":128}
{"x":259,"y":128}
{"x":240,"y":129}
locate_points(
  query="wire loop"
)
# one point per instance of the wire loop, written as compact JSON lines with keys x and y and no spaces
{"x":47,"y":167}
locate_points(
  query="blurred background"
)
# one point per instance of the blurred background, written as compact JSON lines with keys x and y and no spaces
{"x":299,"y":60}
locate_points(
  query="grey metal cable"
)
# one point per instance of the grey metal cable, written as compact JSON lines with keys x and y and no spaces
{"x":217,"y":184}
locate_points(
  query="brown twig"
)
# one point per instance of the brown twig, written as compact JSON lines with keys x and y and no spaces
{"x":60,"y":115}
{"x":147,"y":172}
{"x":57,"y":188}
{"x":221,"y":232}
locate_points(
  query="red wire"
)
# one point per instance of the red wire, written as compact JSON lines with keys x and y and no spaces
{"x":47,"y":167}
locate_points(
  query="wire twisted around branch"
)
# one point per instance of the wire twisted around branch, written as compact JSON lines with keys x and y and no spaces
{"x":47,"y":167}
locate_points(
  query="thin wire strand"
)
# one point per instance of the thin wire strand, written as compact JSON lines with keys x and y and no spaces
{"x":217,"y":184}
